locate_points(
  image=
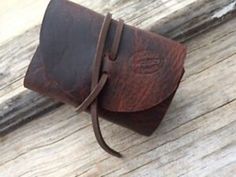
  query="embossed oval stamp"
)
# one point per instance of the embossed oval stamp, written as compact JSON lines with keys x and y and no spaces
{"x":146,"y":62}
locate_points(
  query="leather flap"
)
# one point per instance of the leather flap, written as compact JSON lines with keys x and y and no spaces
{"x":146,"y":71}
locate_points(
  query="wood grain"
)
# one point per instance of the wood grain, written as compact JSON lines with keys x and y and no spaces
{"x":158,"y":16}
{"x":196,"y":138}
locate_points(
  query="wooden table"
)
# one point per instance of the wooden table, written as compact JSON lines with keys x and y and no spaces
{"x":197,"y":136}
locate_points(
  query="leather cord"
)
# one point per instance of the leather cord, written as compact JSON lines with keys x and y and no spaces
{"x":115,"y":45}
{"x":93,"y":94}
{"x":98,"y":83}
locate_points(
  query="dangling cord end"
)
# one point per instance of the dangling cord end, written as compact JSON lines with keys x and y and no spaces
{"x":91,"y":100}
{"x":97,"y":132}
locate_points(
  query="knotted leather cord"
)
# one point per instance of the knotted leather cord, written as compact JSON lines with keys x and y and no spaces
{"x":98,"y":84}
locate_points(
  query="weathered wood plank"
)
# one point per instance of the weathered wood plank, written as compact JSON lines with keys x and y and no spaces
{"x":173,"y":19}
{"x":196,"y":18}
{"x":196,"y":138}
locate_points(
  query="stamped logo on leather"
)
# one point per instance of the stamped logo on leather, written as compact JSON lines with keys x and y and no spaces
{"x":145,"y":62}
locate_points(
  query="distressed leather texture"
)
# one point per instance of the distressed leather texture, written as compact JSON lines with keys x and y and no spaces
{"x":141,"y":81}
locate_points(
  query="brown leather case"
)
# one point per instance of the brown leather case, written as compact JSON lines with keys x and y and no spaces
{"x":141,"y":81}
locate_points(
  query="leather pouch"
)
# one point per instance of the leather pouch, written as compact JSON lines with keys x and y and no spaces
{"x":140,"y":78}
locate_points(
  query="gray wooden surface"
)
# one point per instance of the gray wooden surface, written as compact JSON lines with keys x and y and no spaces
{"x":196,"y":138}
{"x":177,"y":20}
